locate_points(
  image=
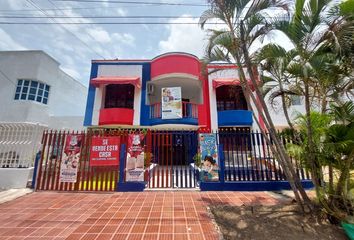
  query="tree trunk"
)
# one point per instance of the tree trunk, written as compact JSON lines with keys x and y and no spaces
{"x":315,"y":169}
{"x":285,"y":108}
{"x":293,"y":179}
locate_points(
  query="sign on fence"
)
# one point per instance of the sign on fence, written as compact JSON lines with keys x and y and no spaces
{"x":135,"y":158}
{"x":171,"y":103}
{"x":104,"y":151}
{"x":209,"y":157}
{"x":70,"y":161}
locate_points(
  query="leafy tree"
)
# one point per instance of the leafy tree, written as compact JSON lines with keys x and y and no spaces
{"x":244,"y":22}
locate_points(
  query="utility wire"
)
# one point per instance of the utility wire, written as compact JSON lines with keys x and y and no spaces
{"x":138,"y":3}
{"x":50,"y":1}
{"x":121,"y":17}
{"x":104,"y":23}
{"x":7,"y":77}
{"x":61,"y":25}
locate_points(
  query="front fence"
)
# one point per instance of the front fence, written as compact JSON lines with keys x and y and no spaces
{"x":169,"y":160}
{"x":19,"y":143}
{"x":88,"y":178}
{"x":248,"y":157}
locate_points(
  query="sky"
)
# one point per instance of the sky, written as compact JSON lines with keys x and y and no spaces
{"x":74,"y":46}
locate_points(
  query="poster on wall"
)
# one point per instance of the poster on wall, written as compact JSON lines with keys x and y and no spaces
{"x":104,"y":151}
{"x":135,"y":158}
{"x":171,"y":103}
{"x":209,"y":157}
{"x":70,"y":160}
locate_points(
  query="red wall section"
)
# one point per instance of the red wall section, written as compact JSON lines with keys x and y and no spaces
{"x":116,"y":116}
{"x":204,"y":109}
{"x":175,"y":63}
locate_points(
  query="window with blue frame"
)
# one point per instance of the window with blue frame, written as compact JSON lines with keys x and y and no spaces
{"x":32,"y":90}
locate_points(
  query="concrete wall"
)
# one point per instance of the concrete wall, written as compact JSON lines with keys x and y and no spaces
{"x":15,"y":177}
{"x":67,"y":96}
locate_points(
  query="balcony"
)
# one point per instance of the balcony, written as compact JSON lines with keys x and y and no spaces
{"x":235,"y":118}
{"x":189,"y":111}
{"x":110,"y":116}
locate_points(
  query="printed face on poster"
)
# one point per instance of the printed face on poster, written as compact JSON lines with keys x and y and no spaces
{"x":71,"y":157}
{"x":209,"y":156}
{"x":171,"y":103}
{"x":135,"y":158}
{"x":104,"y":151}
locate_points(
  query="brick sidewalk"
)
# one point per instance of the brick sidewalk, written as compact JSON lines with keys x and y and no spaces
{"x":146,"y":215}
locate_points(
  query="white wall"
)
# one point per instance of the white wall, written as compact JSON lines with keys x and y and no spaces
{"x":67,"y":97}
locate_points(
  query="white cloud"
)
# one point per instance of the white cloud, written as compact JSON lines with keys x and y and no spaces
{"x":184,"y":38}
{"x":99,"y":34}
{"x":7,"y":43}
{"x":124,"y":38}
{"x":121,"y":12}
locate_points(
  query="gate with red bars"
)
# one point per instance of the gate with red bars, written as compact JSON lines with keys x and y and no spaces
{"x":89,"y":178}
{"x":168,"y":161}
{"x":172,"y":163}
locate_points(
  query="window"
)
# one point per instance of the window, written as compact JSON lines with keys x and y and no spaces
{"x":32,"y":90}
{"x":119,"y":96}
{"x":230,"y":98}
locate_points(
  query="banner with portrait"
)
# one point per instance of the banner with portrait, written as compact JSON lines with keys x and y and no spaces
{"x":135,"y":158}
{"x":171,"y":103}
{"x":209,"y":157}
{"x":71,"y":157}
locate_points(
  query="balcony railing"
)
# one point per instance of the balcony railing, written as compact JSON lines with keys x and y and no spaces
{"x":123,"y":116}
{"x":235,"y":118}
{"x":189,"y":110}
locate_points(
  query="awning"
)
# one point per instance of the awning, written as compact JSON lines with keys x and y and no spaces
{"x":116,"y":80}
{"x":218,"y":82}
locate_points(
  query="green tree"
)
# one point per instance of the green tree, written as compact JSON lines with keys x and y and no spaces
{"x":244,"y":22}
{"x":315,"y":28}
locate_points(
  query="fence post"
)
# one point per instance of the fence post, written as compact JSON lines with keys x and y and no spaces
{"x":222,"y":164}
{"x":121,"y":164}
{"x":36,"y":161}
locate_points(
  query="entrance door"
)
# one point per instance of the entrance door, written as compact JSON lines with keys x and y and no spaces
{"x":172,"y":164}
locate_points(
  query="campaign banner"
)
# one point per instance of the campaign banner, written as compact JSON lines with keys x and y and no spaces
{"x":104,"y":151}
{"x":171,"y":103}
{"x":135,"y":158}
{"x":209,"y":157}
{"x":71,"y":157}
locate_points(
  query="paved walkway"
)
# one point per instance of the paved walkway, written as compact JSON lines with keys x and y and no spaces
{"x":146,"y":215}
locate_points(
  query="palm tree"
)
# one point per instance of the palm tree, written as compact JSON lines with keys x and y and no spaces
{"x":314,"y":29}
{"x":244,"y":23}
{"x":274,"y":61}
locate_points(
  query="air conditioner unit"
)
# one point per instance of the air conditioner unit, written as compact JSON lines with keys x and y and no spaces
{"x":150,"y":89}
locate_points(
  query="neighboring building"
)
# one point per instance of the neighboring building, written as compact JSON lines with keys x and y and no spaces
{"x":35,"y":90}
{"x":129,"y":93}
{"x":35,"y":94}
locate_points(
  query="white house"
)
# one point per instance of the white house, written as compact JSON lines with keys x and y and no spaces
{"x":35,"y":90}
{"x":35,"y":94}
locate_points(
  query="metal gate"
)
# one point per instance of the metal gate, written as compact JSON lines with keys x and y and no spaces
{"x":89,"y":178}
{"x":172,"y":164}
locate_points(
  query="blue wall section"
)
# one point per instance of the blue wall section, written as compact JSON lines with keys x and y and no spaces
{"x":90,"y":97}
{"x":144,"y":109}
{"x":235,"y":118}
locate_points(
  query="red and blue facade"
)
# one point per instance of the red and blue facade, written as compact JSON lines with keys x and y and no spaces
{"x":201,"y":102}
